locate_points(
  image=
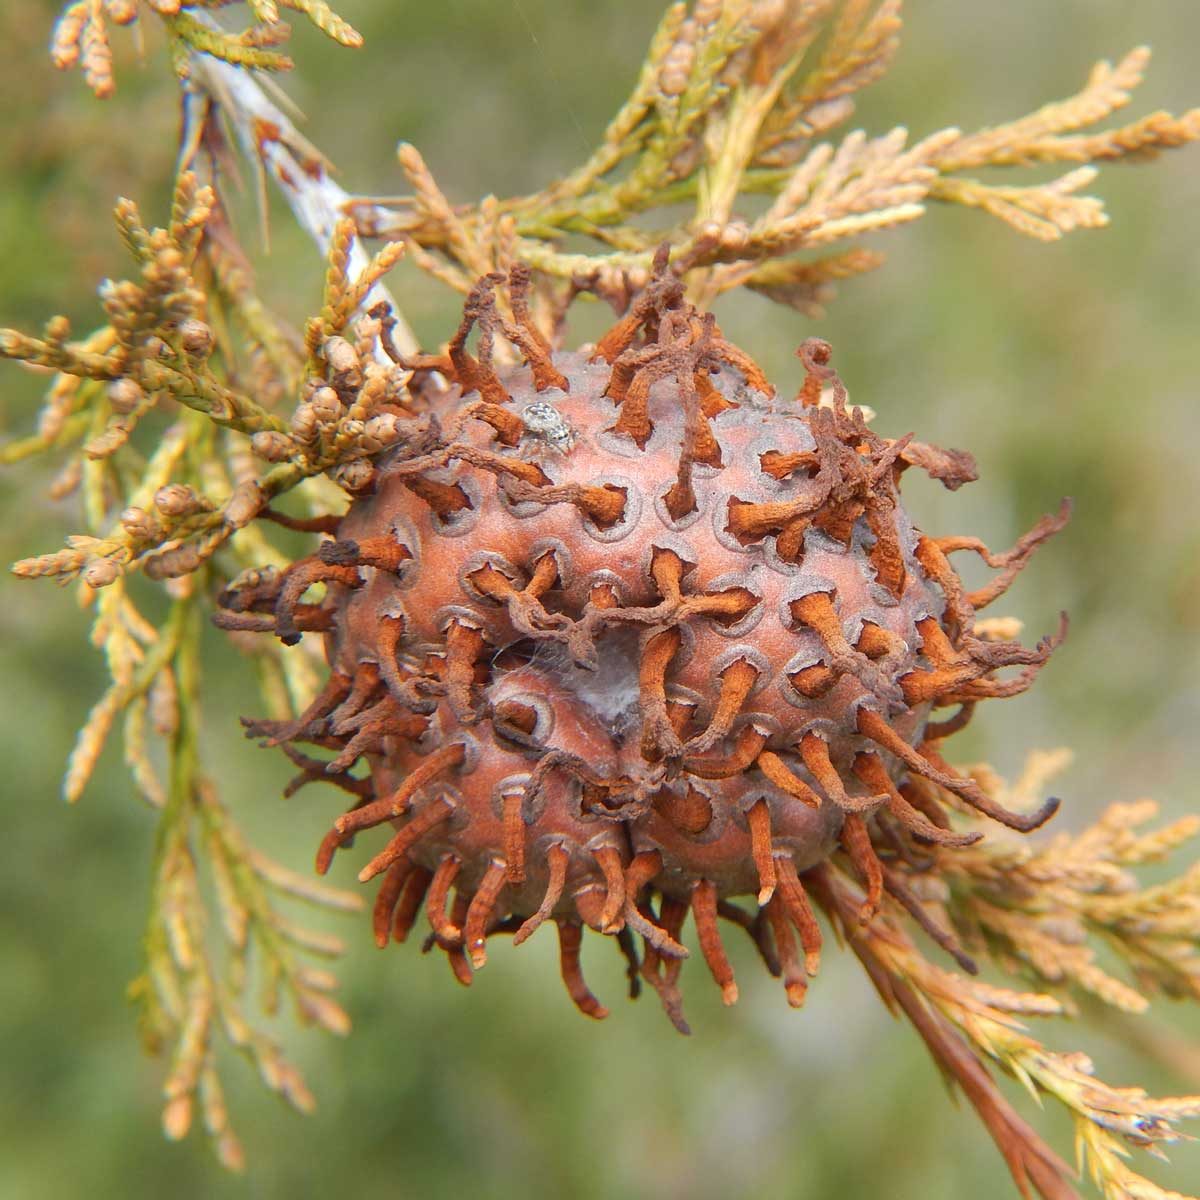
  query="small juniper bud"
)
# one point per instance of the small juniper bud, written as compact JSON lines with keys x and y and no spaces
{"x":155,"y":347}
{"x":378,"y":372}
{"x":122,"y":12}
{"x":677,"y":65}
{"x":177,"y":500}
{"x":355,"y":476}
{"x":272,"y":446}
{"x":196,"y":338}
{"x":245,"y":504}
{"x":305,"y":426}
{"x":341,"y":356}
{"x":326,"y":406}
{"x":58,"y":329}
{"x":154,"y":568}
{"x":109,"y":442}
{"x":125,"y":395}
{"x":379,"y":432}
{"x":734,"y":236}
{"x":64,"y":49}
{"x":171,"y":564}
{"x":100,"y":572}
{"x":139,"y":524}
{"x":366,"y":331}
{"x":253,"y":577}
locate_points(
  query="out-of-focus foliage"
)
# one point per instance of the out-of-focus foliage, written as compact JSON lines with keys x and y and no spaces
{"x":1034,"y":367}
{"x":82,"y":35}
{"x":735,"y":102}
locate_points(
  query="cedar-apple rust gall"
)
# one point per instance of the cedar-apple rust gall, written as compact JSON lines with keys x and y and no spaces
{"x":671,"y":669}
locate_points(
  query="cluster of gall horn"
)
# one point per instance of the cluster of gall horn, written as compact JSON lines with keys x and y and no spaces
{"x":621,"y":636}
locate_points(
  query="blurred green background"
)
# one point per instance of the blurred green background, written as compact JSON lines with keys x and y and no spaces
{"x":1068,"y":370}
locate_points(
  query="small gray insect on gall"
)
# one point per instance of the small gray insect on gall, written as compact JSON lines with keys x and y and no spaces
{"x":543,"y":421}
